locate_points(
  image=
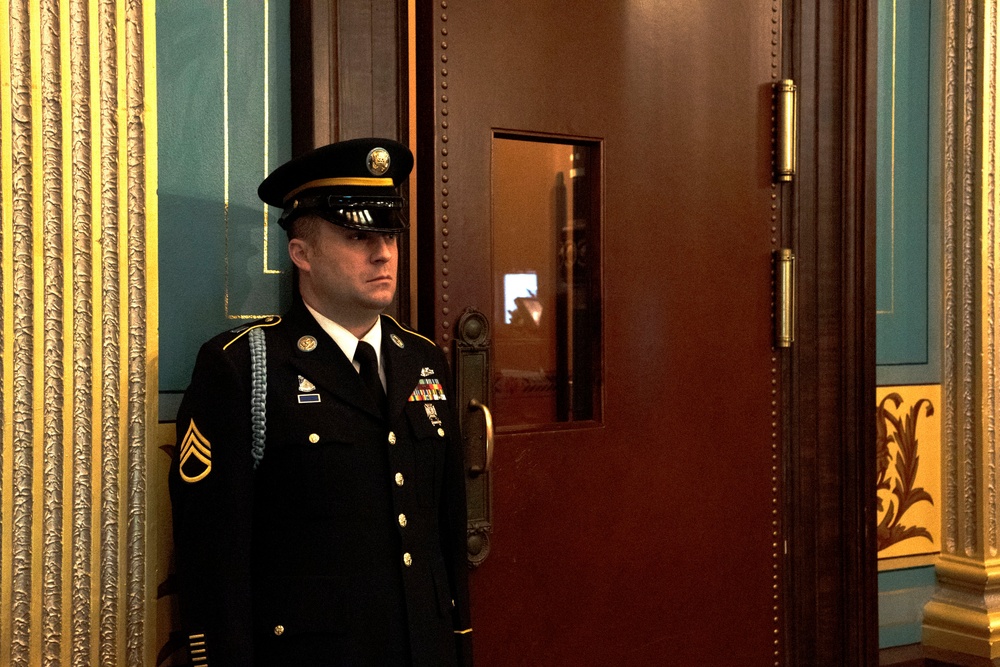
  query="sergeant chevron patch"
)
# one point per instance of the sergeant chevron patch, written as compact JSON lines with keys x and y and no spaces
{"x":196,"y":456}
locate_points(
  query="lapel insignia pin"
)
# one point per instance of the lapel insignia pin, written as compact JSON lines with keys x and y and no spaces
{"x":307,"y":344}
{"x":305,"y":385}
{"x":432,"y":414}
{"x":426,"y":372}
{"x":396,"y":340}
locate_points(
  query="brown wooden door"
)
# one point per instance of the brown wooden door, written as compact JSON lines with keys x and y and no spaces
{"x":635,"y":479}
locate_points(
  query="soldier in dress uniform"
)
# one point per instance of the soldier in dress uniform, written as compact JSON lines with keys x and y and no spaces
{"x":319,"y":489}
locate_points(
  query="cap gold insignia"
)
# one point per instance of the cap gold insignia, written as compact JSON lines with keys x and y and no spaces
{"x":395,"y":339}
{"x":307,"y":344}
{"x":305,"y":385}
{"x":378,"y":161}
{"x":196,"y":456}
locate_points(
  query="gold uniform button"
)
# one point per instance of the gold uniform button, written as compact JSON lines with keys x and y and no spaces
{"x":407,"y":559}
{"x":314,"y":438}
{"x":441,"y":432}
{"x":279,"y":630}
{"x":402,"y":520}
{"x":399,"y":479}
{"x":392,"y":438}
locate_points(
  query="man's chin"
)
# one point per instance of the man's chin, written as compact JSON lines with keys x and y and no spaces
{"x":379,"y":302}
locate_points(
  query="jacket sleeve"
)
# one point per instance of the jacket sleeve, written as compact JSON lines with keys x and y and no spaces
{"x":454,"y":520}
{"x":211,"y":489}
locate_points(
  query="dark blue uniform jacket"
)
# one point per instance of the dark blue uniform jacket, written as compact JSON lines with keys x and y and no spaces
{"x":346,"y":545}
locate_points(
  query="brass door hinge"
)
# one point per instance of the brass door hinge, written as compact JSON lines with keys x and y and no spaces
{"x":787,"y":130}
{"x":784,"y":273}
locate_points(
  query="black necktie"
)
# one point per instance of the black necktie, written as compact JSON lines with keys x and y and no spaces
{"x":365,"y":356}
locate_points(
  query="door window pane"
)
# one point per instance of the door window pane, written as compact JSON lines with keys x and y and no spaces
{"x":546,"y":353}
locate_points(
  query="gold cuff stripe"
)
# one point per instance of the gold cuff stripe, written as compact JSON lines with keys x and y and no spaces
{"x":360,"y":181}
{"x":463,"y":632}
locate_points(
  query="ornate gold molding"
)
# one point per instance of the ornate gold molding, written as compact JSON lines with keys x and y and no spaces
{"x":78,"y":313}
{"x":964,"y":614}
{"x":969,"y":268}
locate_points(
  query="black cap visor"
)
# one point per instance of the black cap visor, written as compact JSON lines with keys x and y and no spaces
{"x":384,"y":215}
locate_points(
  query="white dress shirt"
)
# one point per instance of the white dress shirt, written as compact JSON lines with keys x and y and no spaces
{"x":348,"y":342}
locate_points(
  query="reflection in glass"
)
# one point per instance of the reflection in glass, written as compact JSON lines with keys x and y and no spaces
{"x":516,"y":288}
{"x":546,"y":352}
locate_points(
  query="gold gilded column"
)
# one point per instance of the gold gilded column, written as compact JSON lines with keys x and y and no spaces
{"x":77,"y":330}
{"x":962,"y":620}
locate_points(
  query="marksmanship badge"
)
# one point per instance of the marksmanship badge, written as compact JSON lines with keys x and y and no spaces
{"x":432,"y":414}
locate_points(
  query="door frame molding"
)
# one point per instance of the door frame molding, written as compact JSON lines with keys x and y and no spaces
{"x":831,"y":582}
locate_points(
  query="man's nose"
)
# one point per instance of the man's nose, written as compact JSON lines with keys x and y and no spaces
{"x":383,"y":247}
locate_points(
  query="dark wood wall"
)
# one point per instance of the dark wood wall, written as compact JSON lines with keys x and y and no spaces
{"x":350,"y":78}
{"x":349,"y":71}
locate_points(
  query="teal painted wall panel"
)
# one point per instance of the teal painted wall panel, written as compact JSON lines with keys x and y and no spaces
{"x":902,"y":595}
{"x":224,"y":123}
{"x":908,"y":249}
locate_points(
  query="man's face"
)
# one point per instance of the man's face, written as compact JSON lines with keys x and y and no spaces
{"x":348,"y":275}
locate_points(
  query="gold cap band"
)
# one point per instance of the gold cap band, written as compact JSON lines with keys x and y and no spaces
{"x":346,"y":180}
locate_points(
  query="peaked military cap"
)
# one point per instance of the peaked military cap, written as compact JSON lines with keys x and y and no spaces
{"x":349,"y":183}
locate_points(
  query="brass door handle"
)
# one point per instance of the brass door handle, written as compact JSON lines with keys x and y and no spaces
{"x":488,"y":420}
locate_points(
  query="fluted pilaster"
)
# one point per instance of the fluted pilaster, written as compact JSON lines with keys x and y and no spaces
{"x":963,"y":617}
{"x":77,"y":329}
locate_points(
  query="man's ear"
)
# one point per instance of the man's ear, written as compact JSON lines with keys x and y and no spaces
{"x":299,"y":252}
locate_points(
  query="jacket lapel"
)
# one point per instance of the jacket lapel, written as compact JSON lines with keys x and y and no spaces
{"x":326,"y":365}
{"x":402,"y":367}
